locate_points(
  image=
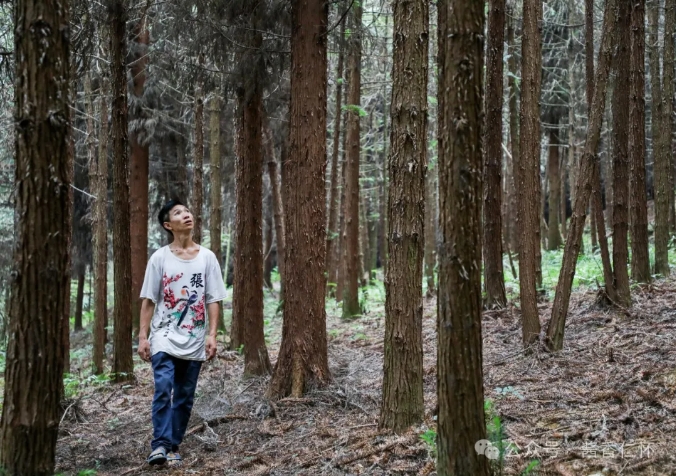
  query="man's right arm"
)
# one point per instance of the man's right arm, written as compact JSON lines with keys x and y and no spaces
{"x":147,"y":310}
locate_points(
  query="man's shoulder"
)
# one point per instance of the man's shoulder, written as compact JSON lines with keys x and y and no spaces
{"x":158,"y":255}
{"x":207,"y":253}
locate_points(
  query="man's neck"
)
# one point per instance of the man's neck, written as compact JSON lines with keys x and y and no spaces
{"x":182,"y":241}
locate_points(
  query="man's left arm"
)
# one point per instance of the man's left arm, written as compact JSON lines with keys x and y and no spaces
{"x":214,"y":310}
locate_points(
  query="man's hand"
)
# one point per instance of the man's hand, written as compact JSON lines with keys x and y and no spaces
{"x":211,"y":347}
{"x":144,"y":349}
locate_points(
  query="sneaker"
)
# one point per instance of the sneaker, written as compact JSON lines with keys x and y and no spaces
{"x":174,"y":459}
{"x":158,"y":456}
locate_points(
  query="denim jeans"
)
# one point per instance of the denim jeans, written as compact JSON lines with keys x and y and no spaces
{"x":170,"y":416}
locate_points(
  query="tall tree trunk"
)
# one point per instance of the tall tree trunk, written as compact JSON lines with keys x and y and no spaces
{"x":382,"y":248}
{"x":303,"y":359}
{"x":430,"y":233}
{"x":39,"y":300}
{"x":620,"y":107}
{"x":342,"y":244}
{"x":333,"y":237}
{"x":351,"y":305}
{"x":597,"y":210}
{"x":99,"y":181}
{"x":640,"y":262}
{"x":513,"y":127}
{"x":139,"y":167}
{"x":268,"y":244}
{"x":123,"y":364}
{"x":198,"y":164}
{"x":215,"y":171}
{"x":459,"y":363}
{"x":402,"y":401}
{"x":667,"y":128}
{"x":554,"y":238}
{"x":660,"y":159}
{"x":492,"y":151}
{"x":529,"y":169}
{"x":588,"y":175}
{"x":276,"y":192}
{"x":589,"y":87}
{"x":79,"y":297}
{"x":364,"y":252}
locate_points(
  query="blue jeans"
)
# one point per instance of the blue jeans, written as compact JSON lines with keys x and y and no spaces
{"x":170,"y":418}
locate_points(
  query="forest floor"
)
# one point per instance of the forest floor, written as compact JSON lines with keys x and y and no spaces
{"x":605,"y":405}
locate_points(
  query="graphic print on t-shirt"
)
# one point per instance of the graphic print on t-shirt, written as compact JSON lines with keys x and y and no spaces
{"x":187,"y":310}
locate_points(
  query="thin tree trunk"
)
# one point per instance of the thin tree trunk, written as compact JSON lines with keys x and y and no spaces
{"x":99,"y":174}
{"x":303,"y":359}
{"x":513,"y":127}
{"x":268,"y":244}
{"x":640,"y":262}
{"x":667,"y":127}
{"x":123,"y":364}
{"x":198,"y":168}
{"x":492,"y":151}
{"x":589,"y":87}
{"x":430,"y":234}
{"x":597,"y":210}
{"x":278,"y":211}
{"x":139,"y":168}
{"x":461,"y":420}
{"x":529,"y":170}
{"x":554,"y":238}
{"x":351,"y":305}
{"x":333,"y":235}
{"x":402,"y":401}
{"x":340,"y":252}
{"x":620,"y":107}
{"x":79,"y":297}
{"x":585,"y":185}
{"x":215,"y":171}
{"x":364,"y":251}
{"x":39,"y":280}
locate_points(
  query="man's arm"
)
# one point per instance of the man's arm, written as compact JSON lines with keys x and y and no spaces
{"x":214,"y":310}
{"x":147,"y":310}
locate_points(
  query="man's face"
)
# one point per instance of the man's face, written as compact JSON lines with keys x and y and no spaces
{"x":180,"y":219}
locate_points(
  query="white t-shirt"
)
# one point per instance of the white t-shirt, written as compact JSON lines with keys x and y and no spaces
{"x":181,"y":289}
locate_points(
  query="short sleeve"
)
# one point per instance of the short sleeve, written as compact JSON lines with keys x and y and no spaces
{"x":152,"y":283}
{"x":215,"y":287}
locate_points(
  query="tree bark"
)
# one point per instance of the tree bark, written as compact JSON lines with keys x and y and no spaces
{"x":513,"y":127}
{"x":139,"y":168}
{"x":430,"y":234}
{"x":333,"y":235}
{"x":303,"y":359}
{"x":529,"y":169}
{"x":39,"y":281}
{"x":640,"y":262}
{"x":79,"y":297}
{"x":460,"y":393}
{"x":99,"y":181}
{"x":554,"y":238}
{"x":589,"y":88}
{"x":585,"y":184}
{"x":198,"y":165}
{"x":268,"y":244}
{"x":620,"y":107}
{"x":341,"y":251}
{"x":402,"y":401}
{"x":278,"y":211}
{"x":123,"y":364}
{"x":667,"y":128}
{"x":492,"y":151}
{"x":351,"y":305}
{"x":215,"y":171}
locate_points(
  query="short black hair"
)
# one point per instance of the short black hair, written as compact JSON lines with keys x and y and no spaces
{"x":163,"y":216}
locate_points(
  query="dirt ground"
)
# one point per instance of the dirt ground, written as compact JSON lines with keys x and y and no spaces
{"x":605,"y":405}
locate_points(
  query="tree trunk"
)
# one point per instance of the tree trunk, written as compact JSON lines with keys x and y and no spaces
{"x":333,"y":235}
{"x":589,"y":88}
{"x":198,"y":168}
{"x":382,"y":247}
{"x":402,"y":401}
{"x":667,"y":128}
{"x":341,"y":251}
{"x":492,"y":233}
{"x":660,"y":158}
{"x":39,"y":281}
{"x":268,"y":244}
{"x":620,"y":107}
{"x":585,"y":184}
{"x":303,"y":360}
{"x":513,"y":128}
{"x":138,"y":179}
{"x":278,"y":211}
{"x":529,"y":169}
{"x":597,"y":210}
{"x":123,"y":364}
{"x":351,"y":305}
{"x":79,"y":297}
{"x":364,"y":252}
{"x":99,"y":183}
{"x":215,"y":171}
{"x":430,"y":234}
{"x":640,"y":262}
{"x":554,"y":238}
{"x":460,"y":393}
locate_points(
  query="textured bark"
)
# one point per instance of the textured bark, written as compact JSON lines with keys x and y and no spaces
{"x":351,"y":305}
{"x":620,"y":107}
{"x":492,"y":151}
{"x":528,"y":185}
{"x":198,"y":165}
{"x":554,"y":175}
{"x":597,"y":211}
{"x":278,"y":210}
{"x":79,"y":297}
{"x":123,"y":364}
{"x":513,"y":127}
{"x":303,"y":360}
{"x":139,"y":168}
{"x":39,"y":281}
{"x":640,"y":262}
{"x":402,"y":401}
{"x":667,"y":127}
{"x":363,"y":242}
{"x":460,"y":393}
{"x":340,"y":252}
{"x":216,"y":211}
{"x":585,"y":183}
{"x":589,"y":85}
{"x":333,"y":236}
{"x":430,"y":234}
{"x":268,"y":244}
{"x":99,"y":183}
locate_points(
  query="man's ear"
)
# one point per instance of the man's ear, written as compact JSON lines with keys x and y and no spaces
{"x":167,"y":226}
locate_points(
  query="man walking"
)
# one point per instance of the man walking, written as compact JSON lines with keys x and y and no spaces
{"x":182,"y":288}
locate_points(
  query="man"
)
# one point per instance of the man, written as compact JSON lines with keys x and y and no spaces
{"x":182,"y":287}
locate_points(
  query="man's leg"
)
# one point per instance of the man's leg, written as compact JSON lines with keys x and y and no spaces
{"x":185,"y":382}
{"x":163,"y":370}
